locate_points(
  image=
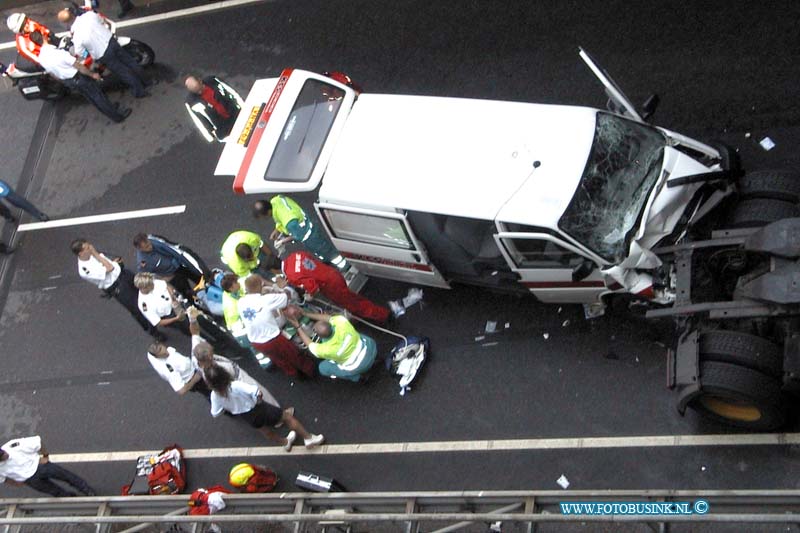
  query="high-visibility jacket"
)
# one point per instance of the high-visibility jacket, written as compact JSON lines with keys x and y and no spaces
{"x":25,"y":46}
{"x":230,"y":310}
{"x":344,"y":343}
{"x":239,"y":266}
{"x":284,"y":210}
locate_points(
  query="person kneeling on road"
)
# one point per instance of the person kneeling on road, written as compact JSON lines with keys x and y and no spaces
{"x":158,"y":303}
{"x":346,"y":353}
{"x":245,"y":401}
{"x":65,"y":67}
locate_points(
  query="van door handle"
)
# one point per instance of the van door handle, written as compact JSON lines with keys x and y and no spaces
{"x":416,"y":257}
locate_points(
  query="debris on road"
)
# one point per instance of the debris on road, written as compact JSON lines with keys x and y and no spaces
{"x":563,"y":482}
{"x":565,"y":324}
{"x":480,"y":338}
{"x":767,"y":143}
{"x":546,"y":336}
{"x":399,"y":307}
{"x":491,"y":326}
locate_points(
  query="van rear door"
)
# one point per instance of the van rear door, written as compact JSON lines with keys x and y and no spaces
{"x":379,"y":243}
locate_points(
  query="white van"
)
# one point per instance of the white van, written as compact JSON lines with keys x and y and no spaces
{"x":566,"y":202}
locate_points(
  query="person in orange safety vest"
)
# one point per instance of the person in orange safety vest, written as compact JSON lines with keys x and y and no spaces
{"x":23,"y":26}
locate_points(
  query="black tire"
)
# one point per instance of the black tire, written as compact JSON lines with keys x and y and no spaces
{"x":776,"y":184}
{"x":142,"y":53}
{"x":742,"y":349}
{"x":741,"y":397}
{"x":758,"y":212}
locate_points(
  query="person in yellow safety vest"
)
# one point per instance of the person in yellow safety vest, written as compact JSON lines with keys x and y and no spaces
{"x":230,"y":310}
{"x":346,"y":353}
{"x":290,"y":219}
{"x":244,"y":251}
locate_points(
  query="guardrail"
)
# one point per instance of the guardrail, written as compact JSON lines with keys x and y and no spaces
{"x":414,"y":510}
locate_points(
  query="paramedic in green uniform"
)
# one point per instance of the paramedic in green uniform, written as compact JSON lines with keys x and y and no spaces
{"x":290,"y":219}
{"x":244,"y":251}
{"x":346,"y":353}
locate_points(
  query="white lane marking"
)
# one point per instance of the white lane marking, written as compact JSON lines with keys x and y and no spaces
{"x":569,"y":443}
{"x":166,"y":16}
{"x":94,"y":219}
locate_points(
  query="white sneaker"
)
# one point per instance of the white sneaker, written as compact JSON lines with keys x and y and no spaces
{"x":315,"y":440}
{"x":290,"y":438}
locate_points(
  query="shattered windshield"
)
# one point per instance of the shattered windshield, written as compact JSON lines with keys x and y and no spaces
{"x":623,"y":167}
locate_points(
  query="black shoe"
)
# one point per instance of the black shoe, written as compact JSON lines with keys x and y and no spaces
{"x":44,"y":218}
{"x":160,"y":337}
{"x":125,"y":113}
{"x":127,"y":9}
{"x":7,"y":250}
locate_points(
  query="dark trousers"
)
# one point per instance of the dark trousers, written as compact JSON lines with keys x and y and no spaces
{"x":19,"y":201}
{"x":89,"y":89}
{"x":127,"y":294}
{"x":123,"y":65}
{"x":41,"y":481}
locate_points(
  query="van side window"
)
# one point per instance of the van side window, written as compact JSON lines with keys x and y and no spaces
{"x":368,"y":229}
{"x":540,"y":253}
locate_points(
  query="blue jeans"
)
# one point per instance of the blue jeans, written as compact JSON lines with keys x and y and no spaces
{"x":41,"y":481}
{"x":123,"y":65}
{"x":331,"y":369}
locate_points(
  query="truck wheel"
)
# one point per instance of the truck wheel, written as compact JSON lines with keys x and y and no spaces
{"x":742,"y":349}
{"x":756,"y":212}
{"x":776,"y":184}
{"x":740,"y":397}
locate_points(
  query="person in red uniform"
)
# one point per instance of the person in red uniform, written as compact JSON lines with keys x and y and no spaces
{"x":302,"y":270}
{"x":24,"y":26}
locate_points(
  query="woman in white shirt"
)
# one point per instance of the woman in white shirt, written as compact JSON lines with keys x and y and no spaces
{"x":244,"y":401}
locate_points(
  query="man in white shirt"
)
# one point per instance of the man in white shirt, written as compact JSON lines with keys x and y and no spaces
{"x":91,"y":34}
{"x":25,"y":461}
{"x":65,"y":67}
{"x":181,"y":372}
{"x":158,"y":303}
{"x":113,"y":279}
{"x":261,"y":315}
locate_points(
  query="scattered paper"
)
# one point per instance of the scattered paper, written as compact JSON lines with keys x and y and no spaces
{"x":559,"y":310}
{"x":491,"y":326}
{"x":767,"y":143}
{"x":703,"y":468}
{"x":397,"y":308}
{"x":565,"y":324}
{"x":563,"y":482}
{"x":546,"y":336}
{"x":480,"y":338}
{"x":508,"y":325}
{"x":414,"y":295}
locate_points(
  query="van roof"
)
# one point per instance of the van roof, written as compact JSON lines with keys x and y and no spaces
{"x":461,"y":157}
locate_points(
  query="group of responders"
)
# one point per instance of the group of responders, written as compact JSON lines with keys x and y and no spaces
{"x":634,"y":508}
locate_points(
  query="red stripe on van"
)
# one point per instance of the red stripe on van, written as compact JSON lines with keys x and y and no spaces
{"x":261,"y":125}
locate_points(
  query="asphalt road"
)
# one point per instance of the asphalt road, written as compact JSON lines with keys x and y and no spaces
{"x":75,"y":369}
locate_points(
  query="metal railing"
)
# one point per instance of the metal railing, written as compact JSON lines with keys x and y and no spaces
{"x":438,"y":511}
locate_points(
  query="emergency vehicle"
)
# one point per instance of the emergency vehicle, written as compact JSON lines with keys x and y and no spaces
{"x":574,"y":204}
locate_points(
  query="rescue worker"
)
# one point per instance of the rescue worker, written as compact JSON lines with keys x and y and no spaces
{"x":250,"y":478}
{"x":230,"y":311}
{"x":213,"y":106}
{"x":23,"y":26}
{"x":74,"y":75}
{"x":172,"y":262}
{"x":302,"y":270}
{"x":244,"y":251}
{"x":290,"y":219}
{"x":346,"y":353}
